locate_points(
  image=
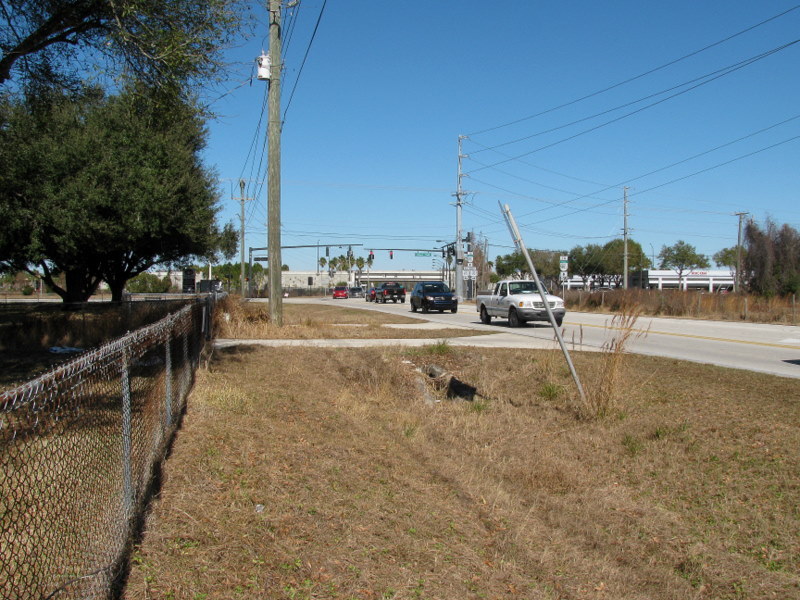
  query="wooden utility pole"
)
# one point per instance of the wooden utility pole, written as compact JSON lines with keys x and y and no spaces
{"x":625,"y":238}
{"x":274,"y":166}
{"x":737,"y":284}
{"x":242,"y":199}
{"x":459,"y":243}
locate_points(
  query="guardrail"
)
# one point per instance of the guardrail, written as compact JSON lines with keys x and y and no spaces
{"x":78,"y":450}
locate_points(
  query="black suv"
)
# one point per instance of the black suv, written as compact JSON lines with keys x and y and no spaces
{"x":433,"y":295}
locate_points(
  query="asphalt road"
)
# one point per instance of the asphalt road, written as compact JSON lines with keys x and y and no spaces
{"x":771,"y":349}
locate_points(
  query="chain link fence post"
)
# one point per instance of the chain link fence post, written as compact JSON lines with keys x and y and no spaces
{"x":127,"y":482}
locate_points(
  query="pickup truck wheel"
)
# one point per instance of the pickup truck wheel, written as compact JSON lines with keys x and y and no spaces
{"x":485,"y":318}
{"x":513,"y":318}
{"x":425,"y":308}
{"x":559,"y":321}
{"x":413,"y":308}
{"x":403,"y":301}
{"x":454,"y":309}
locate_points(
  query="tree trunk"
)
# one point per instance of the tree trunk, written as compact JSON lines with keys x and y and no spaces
{"x":79,"y":286}
{"x":117,"y":288}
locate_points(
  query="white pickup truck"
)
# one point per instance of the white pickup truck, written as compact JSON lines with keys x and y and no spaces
{"x":518,"y":301}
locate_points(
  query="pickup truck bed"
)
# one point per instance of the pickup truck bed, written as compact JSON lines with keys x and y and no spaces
{"x":390,"y":291}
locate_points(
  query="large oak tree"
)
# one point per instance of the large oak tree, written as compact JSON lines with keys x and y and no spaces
{"x":173,"y":42}
{"x":99,"y":187}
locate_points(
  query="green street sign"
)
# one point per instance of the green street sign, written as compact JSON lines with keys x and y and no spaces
{"x":422,"y":253}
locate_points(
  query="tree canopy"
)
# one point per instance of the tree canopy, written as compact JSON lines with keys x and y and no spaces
{"x":545,"y":261}
{"x":772,"y":260}
{"x":99,"y":187}
{"x":176,"y":43}
{"x":726,"y":257}
{"x":682,"y":258}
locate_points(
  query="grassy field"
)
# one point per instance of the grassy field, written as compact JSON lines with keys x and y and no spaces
{"x":345,"y":474}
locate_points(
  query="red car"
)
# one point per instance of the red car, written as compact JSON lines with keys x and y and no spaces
{"x":340,"y":291}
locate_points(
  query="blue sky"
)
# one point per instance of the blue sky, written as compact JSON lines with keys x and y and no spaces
{"x":369,"y":146}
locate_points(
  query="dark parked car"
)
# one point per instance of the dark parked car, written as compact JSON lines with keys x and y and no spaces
{"x":356,"y":292}
{"x":433,"y":295}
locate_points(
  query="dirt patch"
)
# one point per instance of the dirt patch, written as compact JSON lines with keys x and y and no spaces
{"x":323,"y":473}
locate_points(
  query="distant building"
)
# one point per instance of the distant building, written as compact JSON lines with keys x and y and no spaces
{"x":665,"y":279}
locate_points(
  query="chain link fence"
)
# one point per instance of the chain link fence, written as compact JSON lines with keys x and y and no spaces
{"x":79,"y":447}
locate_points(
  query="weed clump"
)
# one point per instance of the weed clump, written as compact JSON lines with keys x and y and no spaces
{"x":602,"y":390}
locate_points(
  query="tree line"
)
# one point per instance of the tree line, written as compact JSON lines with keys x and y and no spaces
{"x":770,"y":260}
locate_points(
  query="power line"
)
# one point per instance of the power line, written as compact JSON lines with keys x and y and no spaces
{"x":308,"y":48}
{"x":723,"y":71}
{"x":738,"y":66}
{"x":722,"y":164}
{"x":629,"y":180}
{"x":634,"y":78}
{"x":292,"y":23}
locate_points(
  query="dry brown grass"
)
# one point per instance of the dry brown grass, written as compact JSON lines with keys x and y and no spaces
{"x":605,"y":382}
{"x":323,"y":474}
{"x":693,"y":304}
{"x":251,"y":320}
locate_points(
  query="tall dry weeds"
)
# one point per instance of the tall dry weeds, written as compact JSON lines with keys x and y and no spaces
{"x":604,"y":387}
{"x":697,"y":304}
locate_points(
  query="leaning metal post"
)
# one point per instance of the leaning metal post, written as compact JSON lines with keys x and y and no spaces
{"x":512,"y":227}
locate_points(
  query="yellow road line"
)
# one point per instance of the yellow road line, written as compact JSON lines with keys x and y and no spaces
{"x":698,"y":337}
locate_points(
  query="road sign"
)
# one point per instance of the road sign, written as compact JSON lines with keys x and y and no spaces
{"x":563,"y":263}
{"x":470,"y":272}
{"x":563,"y":276}
{"x":422,"y":253}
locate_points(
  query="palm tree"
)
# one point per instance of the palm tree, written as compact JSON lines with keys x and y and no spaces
{"x":360,"y":264}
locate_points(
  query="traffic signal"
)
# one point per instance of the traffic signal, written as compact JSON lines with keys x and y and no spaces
{"x":371,"y":255}
{"x":327,"y":250}
{"x":391,"y":254}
